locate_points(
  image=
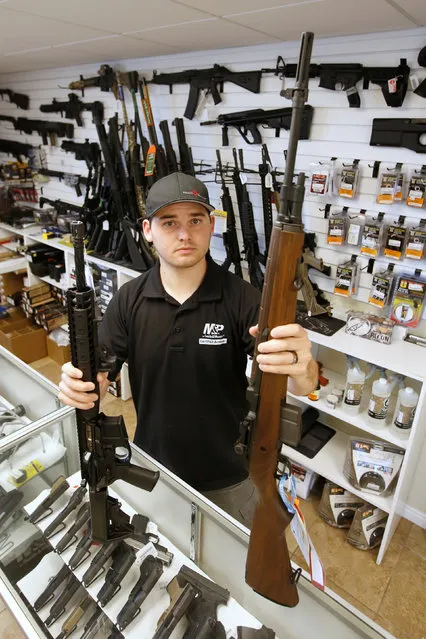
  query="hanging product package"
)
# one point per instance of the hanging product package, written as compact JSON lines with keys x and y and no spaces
{"x":416,"y":191}
{"x":378,"y":329}
{"x":408,"y":300}
{"x":348,"y":182}
{"x":338,"y":506}
{"x":416,"y":241}
{"x":372,"y":465}
{"x":389,"y":187}
{"x":381,"y":287}
{"x":336,"y":228}
{"x":372,"y":236}
{"x":347,"y":276}
{"x":395,"y":239}
{"x":355,"y":226}
{"x":321,"y":181}
{"x":367,"y":527}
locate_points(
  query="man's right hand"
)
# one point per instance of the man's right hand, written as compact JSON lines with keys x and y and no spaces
{"x":76,"y":393}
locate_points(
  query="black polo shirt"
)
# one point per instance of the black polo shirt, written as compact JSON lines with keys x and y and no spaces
{"x":187,"y":367}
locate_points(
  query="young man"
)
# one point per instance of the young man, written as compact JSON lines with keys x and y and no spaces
{"x":185,"y":328}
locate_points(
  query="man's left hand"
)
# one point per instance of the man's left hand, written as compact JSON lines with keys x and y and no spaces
{"x":288,"y":352}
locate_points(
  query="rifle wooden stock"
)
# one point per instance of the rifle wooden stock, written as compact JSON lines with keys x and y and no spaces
{"x":268,"y":547}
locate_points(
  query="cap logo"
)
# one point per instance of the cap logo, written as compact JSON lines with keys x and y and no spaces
{"x":194,"y":192}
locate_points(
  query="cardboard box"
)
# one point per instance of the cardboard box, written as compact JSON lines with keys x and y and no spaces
{"x":26,"y":342}
{"x":61,"y":354}
{"x":15,"y":319}
{"x":11,"y":283}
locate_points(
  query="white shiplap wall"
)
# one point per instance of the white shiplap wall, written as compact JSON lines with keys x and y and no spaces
{"x":337,"y":130}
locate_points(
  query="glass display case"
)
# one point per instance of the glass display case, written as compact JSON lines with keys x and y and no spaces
{"x":32,"y":459}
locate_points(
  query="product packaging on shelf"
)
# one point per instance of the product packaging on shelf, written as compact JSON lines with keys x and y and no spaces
{"x":408,"y":300}
{"x":378,"y":329}
{"x":371,"y":238}
{"x":348,"y":183}
{"x":416,"y":241}
{"x":338,"y":505}
{"x":367,"y":528}
{"x":372,"y":465}
{"x":382,"y":287}
{"x":405,"y":411}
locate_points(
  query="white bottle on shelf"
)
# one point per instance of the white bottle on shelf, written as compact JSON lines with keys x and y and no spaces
{"x":354,"y":386}
{"x":379,"y":402}
{"x":404,"y":412}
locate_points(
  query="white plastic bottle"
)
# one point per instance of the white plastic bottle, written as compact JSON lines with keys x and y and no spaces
{"x":379,"y":402}
{"x":354,"y":386}
{"x":404,"y":412}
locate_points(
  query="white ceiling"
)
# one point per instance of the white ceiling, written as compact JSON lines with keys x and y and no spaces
{"x":38,"y":34}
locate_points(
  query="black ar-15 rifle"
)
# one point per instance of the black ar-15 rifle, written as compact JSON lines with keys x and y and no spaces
{"x":47,"y":130}
{"x":246,"y":123}
{"x":22,"y":101}
{"x":211,"y":80}
{"x":345,"y":76}
{"x":103,"y":443}
{"x":73,"y":108}
{"x":269,"y":418}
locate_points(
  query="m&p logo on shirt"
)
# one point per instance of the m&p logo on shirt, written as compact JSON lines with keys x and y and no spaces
{"x":213,"y":334}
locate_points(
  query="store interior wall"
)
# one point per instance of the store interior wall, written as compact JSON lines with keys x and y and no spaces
{"x":337,"y":131}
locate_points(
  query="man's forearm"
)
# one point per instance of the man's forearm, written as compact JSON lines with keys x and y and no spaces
{"x":304,"y":384}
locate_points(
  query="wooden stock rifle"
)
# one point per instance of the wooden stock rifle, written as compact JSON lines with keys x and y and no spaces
{"x":270,"y":420}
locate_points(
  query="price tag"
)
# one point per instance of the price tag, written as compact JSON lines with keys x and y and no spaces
{"x":243,"y":178}
{"x":144,"y":552}
{"x":220,"y":222}
{"x":268,"y":181}
{"x":105,"y":225}
{"x":392,"y":85}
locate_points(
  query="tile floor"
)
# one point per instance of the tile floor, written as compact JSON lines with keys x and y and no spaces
{"x":392,"y":594}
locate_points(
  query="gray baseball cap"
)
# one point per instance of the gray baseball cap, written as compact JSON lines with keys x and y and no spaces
{"x":176,"y":187}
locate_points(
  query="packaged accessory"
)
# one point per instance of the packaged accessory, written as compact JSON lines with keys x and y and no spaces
{"x":417,"y":190}
{"x":405,"y":411}
{"x":408,"y":300}
{"x":348,"y":183}
{"x":337,"y":228}
{"x":379,"y":401}
{"x":315,"y":394}
{"x":372,"y":465}
{"x":338,"y":506}
{"x":382,"y":286}
{"x":372,"y":236}
{"x":355,"y":226}
{"x":389,"y":188}
{"x":416,"y":241}
{"x":395,"y":239}
{"x":347,"y":276}
{"x":321,"y":178}
{"x":378,"y":329}
{"x":367,"y":528}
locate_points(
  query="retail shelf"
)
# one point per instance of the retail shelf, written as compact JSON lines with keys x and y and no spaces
{"x":26,"y":232}
{"x":52,"y":282}
{"x":359,"y":420}
{"x":399,"y":356}
{"x":13,"y":265}
{"x":329,"y":463}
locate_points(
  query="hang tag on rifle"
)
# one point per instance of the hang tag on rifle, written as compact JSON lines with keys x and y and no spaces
{"x":220,"y":222}
{"x":300,"y":533}
{"x":150,"y":161}
{"x":392,"y":85}
{"x":268,"y":181}
{"x":243,"y":178}
{"x":144,"y":552}
{"x":89,"y":276}
{"x":105,"y":225}
{"x":299,"y":530}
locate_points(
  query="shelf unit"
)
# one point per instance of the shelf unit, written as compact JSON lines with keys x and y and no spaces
{"x":400,"y":357}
